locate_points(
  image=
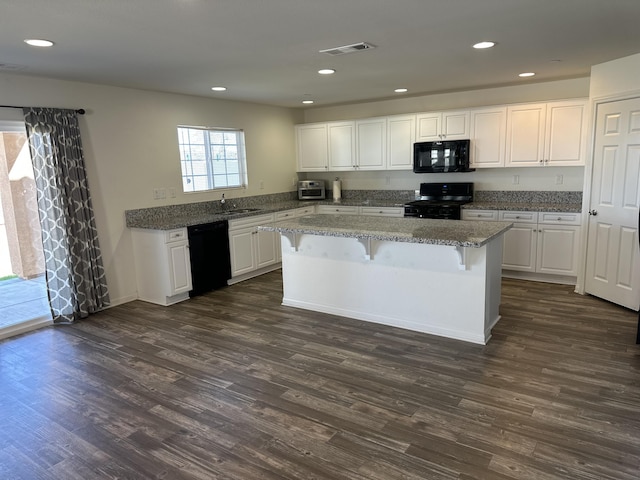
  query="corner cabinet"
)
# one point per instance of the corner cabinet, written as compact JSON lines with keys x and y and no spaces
{"x":312,"y":147}
{"x":163,"y":267}
{"x":252,"y":250}
{"x":546,"y":134}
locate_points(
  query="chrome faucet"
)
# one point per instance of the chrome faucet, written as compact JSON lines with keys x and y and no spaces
{"x":222,"y":200}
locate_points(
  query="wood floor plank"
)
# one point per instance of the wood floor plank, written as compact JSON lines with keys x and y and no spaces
{"x":232,"y":385}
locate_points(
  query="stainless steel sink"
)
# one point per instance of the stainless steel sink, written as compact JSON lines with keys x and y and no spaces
{"x":240,"y":210}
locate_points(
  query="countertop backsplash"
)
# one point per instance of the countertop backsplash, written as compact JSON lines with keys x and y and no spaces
{"x":512,"y":196}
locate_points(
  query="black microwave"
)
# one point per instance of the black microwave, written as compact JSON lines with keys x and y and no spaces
{"x":441,"y":156}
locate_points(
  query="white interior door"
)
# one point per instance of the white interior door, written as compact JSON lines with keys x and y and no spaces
{"x":613,"y":262}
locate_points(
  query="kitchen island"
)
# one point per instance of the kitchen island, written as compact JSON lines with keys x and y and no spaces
{"x":434,"y":276}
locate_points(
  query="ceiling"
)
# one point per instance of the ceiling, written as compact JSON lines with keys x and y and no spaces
{"x":267,"y":51}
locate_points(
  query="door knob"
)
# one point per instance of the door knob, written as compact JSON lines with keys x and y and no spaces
{"x":593,"y":212}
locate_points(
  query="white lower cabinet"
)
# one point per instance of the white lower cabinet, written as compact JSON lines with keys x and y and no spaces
{"x":251,"y":250}
{"x":558,"y":243}
{"x":538,"y":243}
{"x":163,"y":267}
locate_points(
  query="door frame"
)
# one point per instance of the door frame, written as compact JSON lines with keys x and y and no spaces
{"x":588,"y":178}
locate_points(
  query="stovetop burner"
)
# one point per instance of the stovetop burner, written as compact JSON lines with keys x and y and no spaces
{"x":440,"y":200}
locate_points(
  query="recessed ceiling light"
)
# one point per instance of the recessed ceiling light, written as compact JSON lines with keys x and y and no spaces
{"x":326,"y":71}
{"x":307,"y":101}
{"x":481,"y":45}
{"x":527,"y":74}
{"x":401,"y":90}
{"x":38,"y":42}
{"x":219,"y":89}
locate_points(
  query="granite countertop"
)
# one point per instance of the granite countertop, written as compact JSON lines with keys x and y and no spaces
{"x":458,"y":233}
{"x":179,"y":220}
{"x":524,"y":207}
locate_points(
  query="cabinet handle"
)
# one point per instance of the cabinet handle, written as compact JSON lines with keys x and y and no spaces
{"x":593,"y":212}
{"x":517,"y":217}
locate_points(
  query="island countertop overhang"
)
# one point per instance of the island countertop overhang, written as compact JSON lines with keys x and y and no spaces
{"x":457,"y":233}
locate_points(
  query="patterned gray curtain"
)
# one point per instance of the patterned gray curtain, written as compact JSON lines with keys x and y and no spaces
{"x":75,"y":274}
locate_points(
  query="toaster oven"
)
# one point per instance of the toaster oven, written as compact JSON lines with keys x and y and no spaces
{"x":311,"y":190}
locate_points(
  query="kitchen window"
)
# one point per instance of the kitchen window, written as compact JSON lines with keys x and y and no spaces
{"x":211,"y":158}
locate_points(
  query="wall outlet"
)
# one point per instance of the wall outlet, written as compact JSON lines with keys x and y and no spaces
{"x":559,"y":180}
{"x":172,"y":192}
{"x":294,"y":182}
{"x":159,"y":193}
{"x":387,"y":180}
{"x":516,"y":180}
{"x":261,"y":184}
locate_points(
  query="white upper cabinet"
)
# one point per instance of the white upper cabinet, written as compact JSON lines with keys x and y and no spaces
{"x":371,"y":151}
{"x":519,"y":135}
{"x":312,"y":147}
{"x":565,"y":133}
{"x":488,"y":131}
{"x":342,"y":146}
{"x":546,"y":134}
{"x":401,"y":135}
{"x":450,"y":125}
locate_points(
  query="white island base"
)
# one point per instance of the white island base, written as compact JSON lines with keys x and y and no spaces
{"x":438,"y":289}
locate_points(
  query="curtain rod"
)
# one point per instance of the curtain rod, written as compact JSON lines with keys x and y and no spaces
{"x":79,"y":111}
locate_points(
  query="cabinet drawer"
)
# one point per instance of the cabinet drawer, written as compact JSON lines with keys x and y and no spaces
{"x":519,"y":217}
{"x":337,"y":209}
{"x":250,"y":221}
{"x":302,"y":211}
{"x":285,"y":215}
{"x":175,"y":235}
{"x":383,"y":211}
{"x":488,"y":215}
{"x":559,"y":218}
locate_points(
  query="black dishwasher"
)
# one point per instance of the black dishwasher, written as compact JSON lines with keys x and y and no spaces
{"x":209,"y":253}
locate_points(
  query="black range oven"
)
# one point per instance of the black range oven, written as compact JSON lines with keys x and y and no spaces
{"x":440,"y":200}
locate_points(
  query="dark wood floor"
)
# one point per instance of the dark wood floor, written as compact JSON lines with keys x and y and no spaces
{"x":231,"y":385}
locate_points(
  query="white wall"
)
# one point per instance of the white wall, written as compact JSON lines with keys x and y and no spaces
{"x":130,"y":144}
{"x":616,"y":77}
{"x":533,"y":92}
{"x":494,"y":179}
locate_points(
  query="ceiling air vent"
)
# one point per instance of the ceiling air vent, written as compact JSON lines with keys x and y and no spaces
{"x":356,"y":47}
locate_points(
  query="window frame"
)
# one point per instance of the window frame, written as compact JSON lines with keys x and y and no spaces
{"x":187,"y":176}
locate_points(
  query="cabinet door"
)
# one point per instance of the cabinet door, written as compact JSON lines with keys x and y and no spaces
{"x":243,"y":259}
{"x":558,"y":249}
{"x":401,"y":132}
{"x":455,"y":125}
{"x":179,"y":267}
{"x":565,"y":133}
{"x":428,"y":126}
{"x":519,"y":250}
{"x":480,"y":215}
{"x":371,"y":144}
{"x":488,"y":131}
{"x":342,"y":155}
{"x":312,"y":147}
{"x":525,"y":135}
{"x":265,"y":245}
